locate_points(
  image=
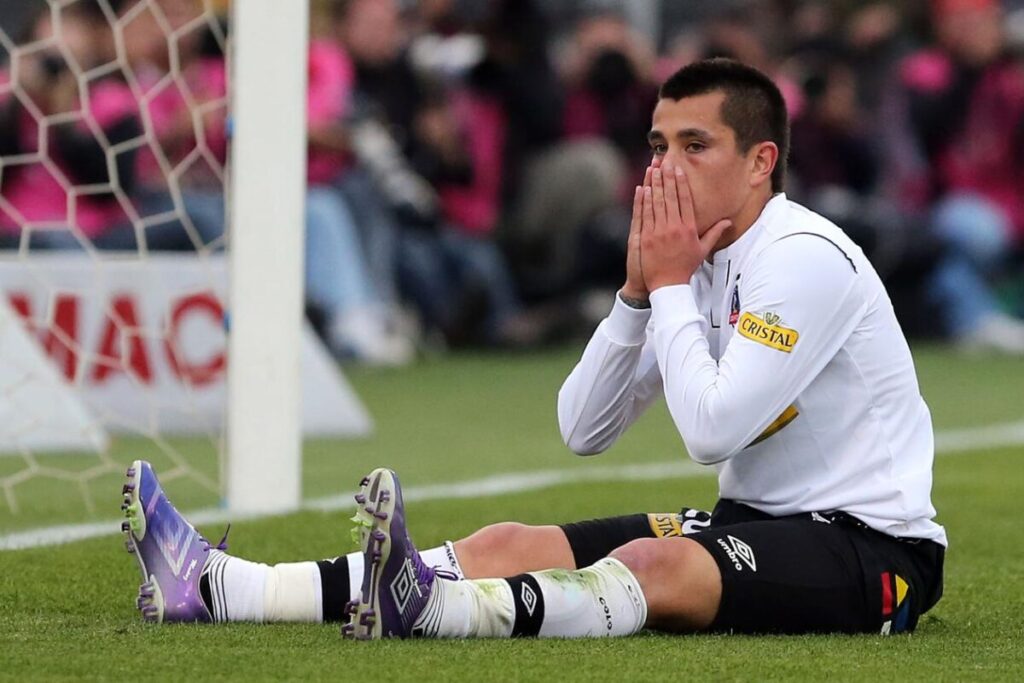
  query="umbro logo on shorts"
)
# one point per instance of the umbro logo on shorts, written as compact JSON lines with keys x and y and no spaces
{"x":737,"y":550}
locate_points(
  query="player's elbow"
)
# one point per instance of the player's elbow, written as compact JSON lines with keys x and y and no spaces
{"x":582,"y":445}
{"x":706,"y":434}
{"x":580,"y":439}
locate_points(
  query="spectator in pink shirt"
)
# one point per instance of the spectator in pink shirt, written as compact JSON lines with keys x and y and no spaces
{"x":63,"y":194}
{"x":358,"y":316}
{"x":436,"y":159}
{"x":964,"y":110}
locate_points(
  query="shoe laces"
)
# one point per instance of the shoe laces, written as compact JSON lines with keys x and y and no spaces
{"x":222,"y":545}
{"x":424,"y":572}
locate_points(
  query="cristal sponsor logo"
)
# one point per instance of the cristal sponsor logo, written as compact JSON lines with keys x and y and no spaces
{"x":767,"y":331}
{"x":529,"y":598}
{"x":737,"y":550}
{"x":665,"y":525}
{"x":607,"y":613}
{"x":403,"y":585}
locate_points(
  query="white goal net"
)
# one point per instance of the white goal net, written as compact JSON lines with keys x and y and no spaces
{"x":114,"y":279}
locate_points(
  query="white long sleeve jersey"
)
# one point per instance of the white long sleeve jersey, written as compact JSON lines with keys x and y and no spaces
{"x":783,"y":366}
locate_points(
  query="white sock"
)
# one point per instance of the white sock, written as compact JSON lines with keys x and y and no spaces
{"x":604,"y":599}
{"x":442,"y":558}
{"x":251,"y":591}
{"x":241,"y":590}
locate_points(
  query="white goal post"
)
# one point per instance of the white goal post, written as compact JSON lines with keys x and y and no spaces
{"x":267,"y":190}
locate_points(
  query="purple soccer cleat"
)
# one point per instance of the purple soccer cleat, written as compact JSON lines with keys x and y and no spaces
{"x":396,"y":582}
{"x":170,"y":551}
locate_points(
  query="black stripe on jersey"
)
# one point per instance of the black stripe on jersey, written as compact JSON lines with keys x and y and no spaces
{"x":814,"y":234}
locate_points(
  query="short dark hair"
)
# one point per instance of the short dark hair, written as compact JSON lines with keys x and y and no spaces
{"x":753,"y":107}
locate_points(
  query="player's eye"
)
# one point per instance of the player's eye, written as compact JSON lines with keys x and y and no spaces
{"x":695,"y":147}
{"x":659,"y":149}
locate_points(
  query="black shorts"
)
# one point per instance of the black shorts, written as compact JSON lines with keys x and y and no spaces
{"x":808,"y":573}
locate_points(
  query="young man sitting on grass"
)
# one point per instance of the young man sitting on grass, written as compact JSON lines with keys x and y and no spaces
{"x":776,"y":348}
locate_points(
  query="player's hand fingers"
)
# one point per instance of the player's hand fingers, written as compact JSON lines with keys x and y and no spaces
{"x":635,"y":222}
{"x":709,"y":239}
{"x":685,"y":196}
{"x":648,"y":174}
{"x":658,"y":199}
{"x":671,"y":196}
{"x":648,"y":211}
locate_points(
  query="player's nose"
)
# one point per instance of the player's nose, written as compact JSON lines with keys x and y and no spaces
{"x":670,"y":158}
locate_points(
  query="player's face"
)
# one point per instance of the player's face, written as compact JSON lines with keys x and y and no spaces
{"x":690,"y":133}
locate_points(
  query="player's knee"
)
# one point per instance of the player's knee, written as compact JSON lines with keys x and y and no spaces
{"x":500,"y":535}
{"x":680,"y":580}
{"x":643,"y":557}
{"x":493,"y":541}
{"x":656,"y":554}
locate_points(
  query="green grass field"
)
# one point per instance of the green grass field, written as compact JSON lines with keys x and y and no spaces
{"x":68,"y":611}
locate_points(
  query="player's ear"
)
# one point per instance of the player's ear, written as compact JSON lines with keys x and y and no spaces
{"x":763,"y":157}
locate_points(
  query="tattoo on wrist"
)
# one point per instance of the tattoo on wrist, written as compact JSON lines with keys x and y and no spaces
{"x":634,"y":302}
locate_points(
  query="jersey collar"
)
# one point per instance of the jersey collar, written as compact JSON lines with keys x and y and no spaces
{"x":775,"y":206}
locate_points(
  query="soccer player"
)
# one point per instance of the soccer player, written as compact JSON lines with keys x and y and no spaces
{"x":778,"y":353}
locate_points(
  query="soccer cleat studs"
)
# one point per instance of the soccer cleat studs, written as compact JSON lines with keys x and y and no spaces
{"x":396,"y":583}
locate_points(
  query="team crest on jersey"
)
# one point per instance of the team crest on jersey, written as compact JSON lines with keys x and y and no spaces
{"x":734,"y":312}
{"x":767,"y":330}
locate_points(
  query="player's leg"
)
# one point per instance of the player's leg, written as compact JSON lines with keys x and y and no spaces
{"x":215,"y":586}
{"x":510,"y":548}
{"x":402,"y":596}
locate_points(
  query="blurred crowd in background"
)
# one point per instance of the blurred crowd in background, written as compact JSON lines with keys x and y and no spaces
{"x":471,"y":164}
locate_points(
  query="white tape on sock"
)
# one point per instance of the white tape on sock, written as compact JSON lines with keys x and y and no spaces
{"x":292,"y":593}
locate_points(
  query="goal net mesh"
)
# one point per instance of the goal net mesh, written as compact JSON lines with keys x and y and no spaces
{"x":112,"y":213}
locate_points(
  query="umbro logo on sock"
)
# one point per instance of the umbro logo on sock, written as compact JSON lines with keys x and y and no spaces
{"x":529,"y":598}
{"x":737,"y":550}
